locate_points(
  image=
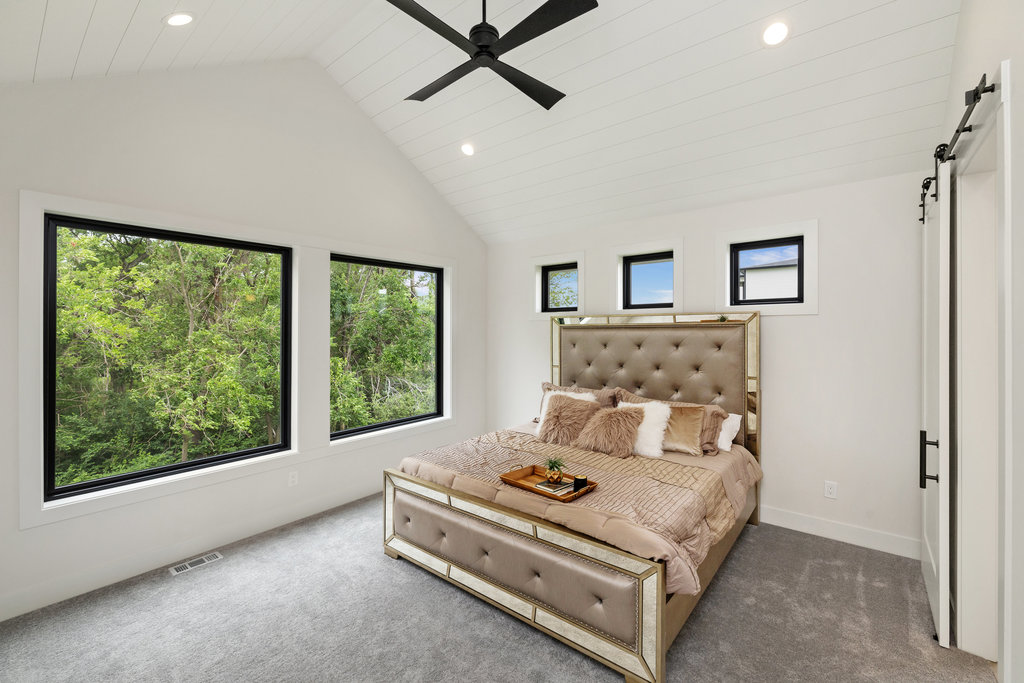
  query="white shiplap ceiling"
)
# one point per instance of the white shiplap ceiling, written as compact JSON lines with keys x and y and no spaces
{"x":670,"y":105}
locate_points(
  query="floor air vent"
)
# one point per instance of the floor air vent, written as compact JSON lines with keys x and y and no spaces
{"x":192,"y":564}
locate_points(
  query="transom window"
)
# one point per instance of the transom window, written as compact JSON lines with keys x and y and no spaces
{"x":767,"y":272}
{"x":386,"y":343}
{"x":164,"y":351}
{"x":647,"y":280}
{"x":559,"y":287}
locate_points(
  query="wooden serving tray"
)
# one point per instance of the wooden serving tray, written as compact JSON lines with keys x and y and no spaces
{"x":527,"y":478}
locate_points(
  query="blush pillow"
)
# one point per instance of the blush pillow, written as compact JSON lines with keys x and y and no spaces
{"x":730,"y":428}
{"x":651,"y":433}
{"x":711,"y":426}
{"x":611,"y":431}
{"x":565,"y":418}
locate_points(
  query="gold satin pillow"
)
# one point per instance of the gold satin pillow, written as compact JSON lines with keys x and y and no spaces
{"x":611,"y":431}
{"x":714,"y":416}
{"x":565,"y":419}
{"x":684,"y":429}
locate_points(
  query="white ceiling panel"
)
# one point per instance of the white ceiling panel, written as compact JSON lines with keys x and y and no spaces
{"x":670,"y":105}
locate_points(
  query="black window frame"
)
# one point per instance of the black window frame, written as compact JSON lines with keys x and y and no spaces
{"x":545,"y":274}
{"x":627,"y":290}
{"x":438,"y":272}
{"x":51,"y":223}
{"x":734,"y":270}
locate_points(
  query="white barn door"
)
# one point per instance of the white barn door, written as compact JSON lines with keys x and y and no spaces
{"x":936,"y":435}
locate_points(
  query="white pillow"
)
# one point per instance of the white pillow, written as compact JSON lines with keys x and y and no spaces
{"x":651,"y":432}
{"x":730,"y":428}
{"x":582,"y":395}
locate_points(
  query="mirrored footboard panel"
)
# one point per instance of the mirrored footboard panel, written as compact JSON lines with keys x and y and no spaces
{"x":601,"y":600}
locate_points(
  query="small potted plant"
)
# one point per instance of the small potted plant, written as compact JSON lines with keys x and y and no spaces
{"x":554,"y":467}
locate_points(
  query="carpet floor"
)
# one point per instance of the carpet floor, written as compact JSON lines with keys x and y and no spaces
{"x":319,"y":601}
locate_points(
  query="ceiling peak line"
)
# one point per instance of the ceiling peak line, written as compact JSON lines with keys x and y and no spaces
{"x":585,"y":33}
{"x":270,"y":55}
{"x":220,"y":34}
{"x":697,"y":176}
{"x":675,"y":80}
{"x":241,"y":38}
{"x":317,"y":25}
{"x":689,"y":160}
{"x":910,"y":155}
{"x":690,"y":100}
{"x":280,"y":22}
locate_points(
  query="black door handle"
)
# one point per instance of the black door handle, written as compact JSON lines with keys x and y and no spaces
{"x":925,"y":443}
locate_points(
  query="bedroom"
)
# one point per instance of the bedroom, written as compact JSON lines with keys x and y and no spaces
{"x":278,"y":152}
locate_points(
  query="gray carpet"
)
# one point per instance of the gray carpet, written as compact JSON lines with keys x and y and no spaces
{"x":319,"y":601}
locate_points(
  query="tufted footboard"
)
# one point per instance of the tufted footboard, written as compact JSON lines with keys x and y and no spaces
{"x":602,"y":601}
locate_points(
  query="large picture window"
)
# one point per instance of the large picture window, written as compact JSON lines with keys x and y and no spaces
{"x":386,"y":332}
{"x":767,"y":272}
{"x":163,"y":351}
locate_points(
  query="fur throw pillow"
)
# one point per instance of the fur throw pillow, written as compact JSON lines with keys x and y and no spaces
{"x":611,"y":431}
{"x":565,"y":419}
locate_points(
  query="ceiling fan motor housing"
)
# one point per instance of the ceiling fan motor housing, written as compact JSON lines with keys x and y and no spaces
{"x":483,"y":35}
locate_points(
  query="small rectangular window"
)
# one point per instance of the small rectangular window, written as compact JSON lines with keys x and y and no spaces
{"x":767,"y":272}
{"x":163,"y":352}
{"x":647,"y":280}
{"x":559,"y":288}
{"x":386,"y":343}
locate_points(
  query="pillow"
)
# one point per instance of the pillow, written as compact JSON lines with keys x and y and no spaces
{"x":565,"y":419}
{"x":683,"y":430}
{"x":611,"y":431}
{"x":730,"y":428}
{"x":711,"y":426}
{"x":605,"y":397}
{"x":652,"y":428}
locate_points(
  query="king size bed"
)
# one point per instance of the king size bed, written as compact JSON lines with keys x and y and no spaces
{"x":615,"y":573}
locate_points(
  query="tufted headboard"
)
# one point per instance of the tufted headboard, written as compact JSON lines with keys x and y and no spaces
{"x":697,"y":361}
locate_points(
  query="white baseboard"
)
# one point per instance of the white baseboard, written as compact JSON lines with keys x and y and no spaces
{"x":840,"y":531}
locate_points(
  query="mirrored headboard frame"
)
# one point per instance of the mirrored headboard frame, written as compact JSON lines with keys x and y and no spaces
{"x":750,"y":321}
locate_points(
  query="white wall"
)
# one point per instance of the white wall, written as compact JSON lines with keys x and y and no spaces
{"x":988,"y":32}
{"x":840,"y":388}
{"x":272,"y":152}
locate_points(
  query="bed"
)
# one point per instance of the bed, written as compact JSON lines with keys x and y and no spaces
{"x":600,"y":578}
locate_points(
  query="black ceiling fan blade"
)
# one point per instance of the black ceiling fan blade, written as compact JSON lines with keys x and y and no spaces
{"x":421,"y":15}
{"x":443,"y":82}
{"x":548,"y":16}
{"x":541,"y":93}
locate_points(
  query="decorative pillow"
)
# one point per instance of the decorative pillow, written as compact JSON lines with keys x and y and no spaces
{"x":605,"y":397}
{"x":611,"y":431}
{"x":652,"y":429}
{"x":711,"y":426}
{"x":730,"y":428}
{"x":565,"y":418}
{"x":683,"y":430}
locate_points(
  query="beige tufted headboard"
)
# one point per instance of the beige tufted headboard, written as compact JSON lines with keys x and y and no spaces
{"x":698,"y":362}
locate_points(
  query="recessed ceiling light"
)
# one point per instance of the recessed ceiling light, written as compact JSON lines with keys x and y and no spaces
{"x":468,"y":150}
{"x":775,"y":34}
{"x":178,"y":19}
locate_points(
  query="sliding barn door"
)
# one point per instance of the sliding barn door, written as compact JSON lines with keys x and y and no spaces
{"x":937,"y":387}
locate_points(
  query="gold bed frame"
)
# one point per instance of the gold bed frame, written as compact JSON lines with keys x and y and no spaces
{"x":660,"y":616}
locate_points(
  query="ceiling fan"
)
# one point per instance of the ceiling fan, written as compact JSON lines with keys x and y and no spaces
{"x":484,"y":46}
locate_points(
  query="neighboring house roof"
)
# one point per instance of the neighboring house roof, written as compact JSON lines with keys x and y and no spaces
{"x":774,"y":264}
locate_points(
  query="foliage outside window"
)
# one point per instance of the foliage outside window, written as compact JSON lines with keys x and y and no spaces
{"x":386,"y":326}
{"x":164,"y":351}
{"x":647,"y":280}
{"x":559,"y":288}
{"x":767,"y":272}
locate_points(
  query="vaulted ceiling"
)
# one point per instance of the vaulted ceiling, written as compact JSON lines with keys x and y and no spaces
{"x":670,"y":105}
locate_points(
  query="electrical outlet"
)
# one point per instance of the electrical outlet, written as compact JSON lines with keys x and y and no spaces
{"x":293,"y":478}
{"x":831,"y":489}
